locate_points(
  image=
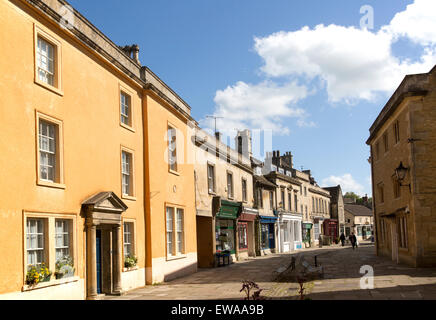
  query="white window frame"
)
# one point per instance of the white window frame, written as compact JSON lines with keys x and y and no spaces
{"x":64,"y":247}
{"x":172,"y":148}
{"x":128,"y":103}
{"x":49,"y":220}
{"x":30,"y":251}
{"x":175,"y":232}
{"x":129,"y":173}
{"x":130,"y":231}
{"x":43,"y":34}
{"x":58,"y":167}
{"x":211,"y":178}
{"x":230,"y":191}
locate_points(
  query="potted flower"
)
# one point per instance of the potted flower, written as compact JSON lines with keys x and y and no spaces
{"x":64,"y":267}
{"x":37,"y":274}
{"x":130,"y":261}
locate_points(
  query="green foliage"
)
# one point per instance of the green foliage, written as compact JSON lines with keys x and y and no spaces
{"x":130,"y":261}
{"x":37,"y":274}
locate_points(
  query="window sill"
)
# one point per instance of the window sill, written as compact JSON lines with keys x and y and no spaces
{"x":51,"y":283}
{"x":212,"y":193}
{"x":127,"y":197}
{"x":178,"y":257}
{"x":125,"y":126}
{"x":49,"y":87}
{"x":173,"y":172}
{"x":49,"y":184}
{"x":130,"y":269}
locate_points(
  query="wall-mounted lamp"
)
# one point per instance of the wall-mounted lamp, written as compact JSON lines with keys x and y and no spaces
{"x":400,"y":173}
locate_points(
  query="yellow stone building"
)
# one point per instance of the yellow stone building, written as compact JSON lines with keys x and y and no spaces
{"x":402,"y":141}
{"x":94,"y":169}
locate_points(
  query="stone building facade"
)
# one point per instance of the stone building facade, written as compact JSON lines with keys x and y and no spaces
{"x":88,"y":181}
{"x":402,"y":141}
{"x":224,"y":201}
{"x":337,"y":207}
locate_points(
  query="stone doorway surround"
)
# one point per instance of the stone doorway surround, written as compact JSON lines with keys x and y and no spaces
{"x":103,"y":212}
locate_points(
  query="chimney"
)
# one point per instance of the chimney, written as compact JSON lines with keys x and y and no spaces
{"x":135,"y":53}
{"x":218,"y":135}
{"x":287,"y":160}
{"x":132,"y":51}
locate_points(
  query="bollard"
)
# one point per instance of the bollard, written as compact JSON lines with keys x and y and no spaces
{"x":316,"y":261}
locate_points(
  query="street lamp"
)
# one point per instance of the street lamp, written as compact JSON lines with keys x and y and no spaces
{"x":401,"y":172}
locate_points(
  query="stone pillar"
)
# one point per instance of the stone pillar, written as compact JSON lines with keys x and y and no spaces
{"x":117,"y":259}
{"x":91,"y":262}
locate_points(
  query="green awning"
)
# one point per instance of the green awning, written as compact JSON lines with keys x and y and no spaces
{"x":229,"y":210}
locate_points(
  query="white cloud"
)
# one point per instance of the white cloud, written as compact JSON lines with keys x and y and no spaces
{"x":417,"y":22}
{"x":347,"y":183}
{"x":262,"y":106}
{"x":352,"y":64}
{"x":355,"y":64}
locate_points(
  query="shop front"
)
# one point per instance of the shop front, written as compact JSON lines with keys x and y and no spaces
{"x":331,"y":229}
{"x":289,"y":231}
{"x":225,"y":230}
{"x":246,"y":233}
{"x":267,"y":234}
{"x":306,"y":234}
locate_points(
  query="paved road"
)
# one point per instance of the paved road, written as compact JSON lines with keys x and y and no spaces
{"x":341,"y":280}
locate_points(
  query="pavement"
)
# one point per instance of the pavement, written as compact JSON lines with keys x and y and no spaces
{"x":342,"y":279}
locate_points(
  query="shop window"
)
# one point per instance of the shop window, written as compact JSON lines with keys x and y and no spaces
{"x":316,"y":230}
{"x":243,"y":238}
{"x":225,"y":235}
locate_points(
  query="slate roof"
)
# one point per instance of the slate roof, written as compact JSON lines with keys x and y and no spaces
{"x":358,"y":210}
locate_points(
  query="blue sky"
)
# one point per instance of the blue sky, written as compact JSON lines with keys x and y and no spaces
{"x":304,"y":69}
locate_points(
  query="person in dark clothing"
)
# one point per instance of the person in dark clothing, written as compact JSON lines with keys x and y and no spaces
{"x":342,"y":238}
{"x":353,"y":240}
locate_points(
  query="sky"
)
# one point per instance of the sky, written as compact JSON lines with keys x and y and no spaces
{"x":312,"y":74}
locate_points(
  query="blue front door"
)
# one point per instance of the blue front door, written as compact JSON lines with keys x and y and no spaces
{"x":98,"y":258}
{"x":271,"y":236}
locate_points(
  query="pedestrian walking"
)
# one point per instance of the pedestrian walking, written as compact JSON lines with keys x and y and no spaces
{"x":342,"y":238}
{"x":353,"y":240}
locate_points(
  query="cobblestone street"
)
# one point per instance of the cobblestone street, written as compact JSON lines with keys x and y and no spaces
{"x":341,"y":279}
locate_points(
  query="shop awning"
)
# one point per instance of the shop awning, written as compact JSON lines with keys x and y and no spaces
{"x":229,"y":209}
{"x":267,"y":219}
{"x":248,"y":214}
